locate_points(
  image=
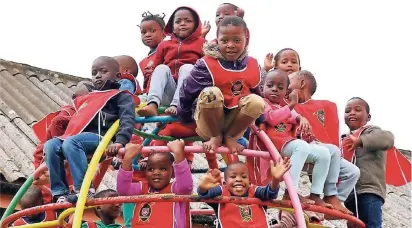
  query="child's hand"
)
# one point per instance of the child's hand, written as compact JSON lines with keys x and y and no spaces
{"x":205,"y":28}
{"x":277,"y":171}
{"x":356,"y":142}
{"x":268,"y":63}
{"x":210,"y":180}
{"x":132,"y":150}
{"x":112,"y":149}
{"x":44,"y":179}
{"x":149,"y":67}
{"x":143,"y":164}
{"x":177,"y":147}
{"x":304,"y":126}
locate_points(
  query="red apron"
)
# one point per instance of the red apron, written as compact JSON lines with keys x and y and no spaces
{"x":232,"y":215}
{"x":156,"y":214}
{"x":147,"y":73}
{"x":323,"y":118}
{"x":234,"y":84}
{"x":50,"y":216}
{"x":94,"y":102}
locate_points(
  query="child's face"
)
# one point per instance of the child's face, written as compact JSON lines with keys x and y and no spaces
{"x":110,"y":211}
{"x":184,"y":23}
{"x":275,"y":86}
{"x":158,"y":171}
{"x":231,"y":41}
{"x":103,"y":69}
{"x":237,"y":179}
{"x":288,"y":62}
{"x":152,"y":33}
{"x":355,"y":114}
{"x":222,"y":11}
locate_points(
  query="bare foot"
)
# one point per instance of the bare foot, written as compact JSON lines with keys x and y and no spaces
{"x":172,"y":110}
{"x":302,"y":199}
{"x":319,"y":201}
{"x":232,"y":145}
{"x":213,"y":143}
{"x":150,"y":110}
{"x":335,"y":202}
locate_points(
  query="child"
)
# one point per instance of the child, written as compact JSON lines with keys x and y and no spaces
{"x":96,"y":112}
{"x":159,"y":170}
{"x":151,"y":30}
{"x":280,"y":119}
{"x":222,"y":82}
{"x":369,"y":145}
{"x":107,"y":213}
{"x":174,"y":60}
{"x":224,"y":9}
{"x":32,"y":198}
{"x":237,"y":183}
{"x":53,"y":125}
{"x":323,"y":118}
{"x":128,"y":69}
{"x":286,"y":60}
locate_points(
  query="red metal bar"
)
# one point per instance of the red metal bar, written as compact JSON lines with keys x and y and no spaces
{"x":181,"y":198}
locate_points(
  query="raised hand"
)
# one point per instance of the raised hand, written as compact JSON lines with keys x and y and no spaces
{"x":277,"y":171}
{"x":132,"y":150}
{"x":269,"y":63}
{"x":210,"y":180}
{"x":205,"y":28}
{"x":356,"y":142}
{"x":177,"y":147}
{"x":112,"y":149}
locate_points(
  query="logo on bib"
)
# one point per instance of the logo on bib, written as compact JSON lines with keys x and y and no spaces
{"x":320,"y":115}
{"x":145,"y":212}
{"x":280,"y":127}
{"x":83,"y":105}
{"x":237,"y":88}
{"x":245,"y":213}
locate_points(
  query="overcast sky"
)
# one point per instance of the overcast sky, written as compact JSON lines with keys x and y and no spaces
{"x":354,"y":48}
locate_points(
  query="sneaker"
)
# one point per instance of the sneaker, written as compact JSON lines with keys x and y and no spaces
{"x":72,"y":198}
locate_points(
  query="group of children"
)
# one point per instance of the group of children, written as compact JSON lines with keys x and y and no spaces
{"x":217,"y":91}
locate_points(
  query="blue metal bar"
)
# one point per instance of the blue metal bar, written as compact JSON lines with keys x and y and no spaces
{"x":155,"y":119}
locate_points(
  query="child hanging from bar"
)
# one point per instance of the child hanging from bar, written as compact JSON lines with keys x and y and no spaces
{"x":96,"y":112}
{"x":151,"y":30}
{"x":280,"y":119}
{"x":159,"y":171}
{"x":218,"y":93}
{"x":33,"y":198}
{"x":366,"y":147}
{"x":107,"y":213}
{"x":174,"y":60}
{"x":237,"y":183}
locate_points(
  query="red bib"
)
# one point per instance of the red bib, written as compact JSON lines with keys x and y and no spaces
{"x":323,"y":118}
{"x":247,"y":216}
{"x":234,"y":84}
{"x":50,"y":216}
{"x":87,"y":107}
{"x":40,"y":128}
{"x":147,"y":74}
{"x":154,"y":214}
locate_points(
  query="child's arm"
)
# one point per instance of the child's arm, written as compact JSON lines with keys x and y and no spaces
{"x":198,"y":79}
{"x":159,"y":55}
{"x":125,"y":187}
{"x":209,"y":185}
{"x":376,"y":139}
{"x":271,"y":190}
{"x":275,"y":116}
{"x":183,"y":183}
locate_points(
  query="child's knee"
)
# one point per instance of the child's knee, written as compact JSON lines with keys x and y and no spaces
{"x":52,"y":146}
{"x":210,"y":97}
{"x":160,"y":70}
{"x":252,"y":105}
{"x":323,"y":154}
{"x":185,"y":69}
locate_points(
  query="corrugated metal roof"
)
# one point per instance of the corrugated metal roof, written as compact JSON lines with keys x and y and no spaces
{"x":28,"y":93}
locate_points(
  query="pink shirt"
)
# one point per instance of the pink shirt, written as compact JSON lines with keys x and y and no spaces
{"x":276,"y":114}
{"x":183,"y":185}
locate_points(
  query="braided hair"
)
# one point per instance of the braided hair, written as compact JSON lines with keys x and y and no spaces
{"x":158,"y":18}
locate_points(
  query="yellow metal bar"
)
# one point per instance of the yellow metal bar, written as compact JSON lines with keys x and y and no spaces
{"x":78,"y":213}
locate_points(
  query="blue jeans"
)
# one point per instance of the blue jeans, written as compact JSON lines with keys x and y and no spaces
{"x":369,"y":208}
{"x":74,"y":149}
